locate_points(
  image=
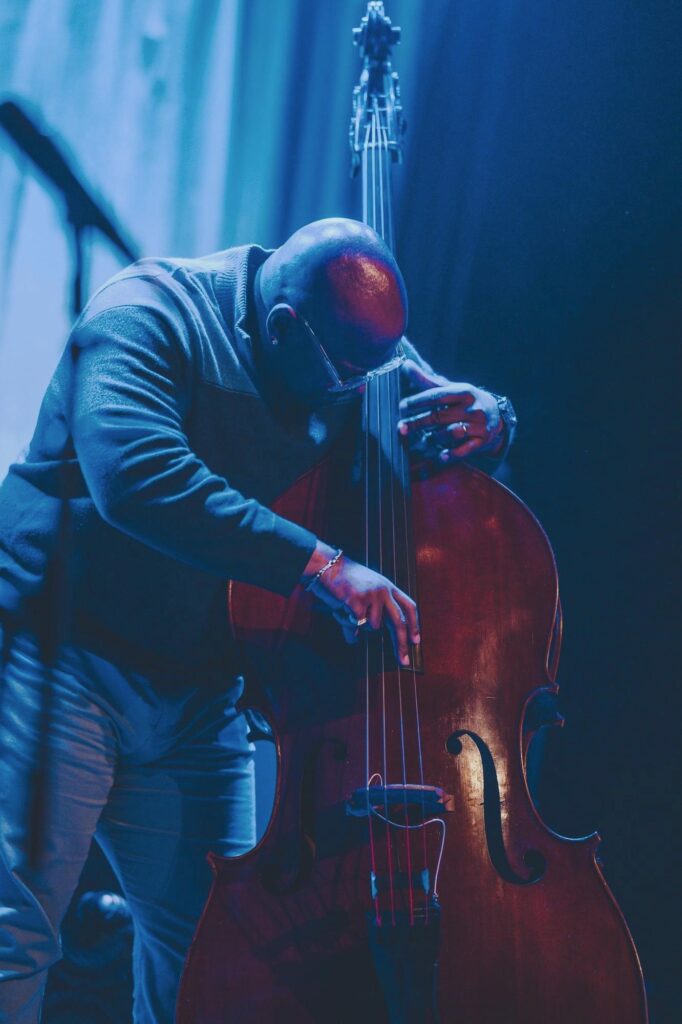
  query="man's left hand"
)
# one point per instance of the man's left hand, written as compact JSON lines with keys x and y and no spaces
{"x":447,"y":420}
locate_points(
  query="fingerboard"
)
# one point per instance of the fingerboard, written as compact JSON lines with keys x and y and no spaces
{"x":389,"y":543}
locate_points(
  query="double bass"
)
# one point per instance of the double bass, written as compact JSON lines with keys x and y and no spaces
{"x":405,"y":876}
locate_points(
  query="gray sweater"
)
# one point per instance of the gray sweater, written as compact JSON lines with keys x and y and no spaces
{"x":169,"y":463}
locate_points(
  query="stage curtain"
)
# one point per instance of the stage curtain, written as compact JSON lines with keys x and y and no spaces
{"x":208,"y":123}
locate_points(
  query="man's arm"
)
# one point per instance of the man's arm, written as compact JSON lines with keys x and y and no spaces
{"x":132,"y":388}
{"x":131,"y":391}
{"x":447,"y":420}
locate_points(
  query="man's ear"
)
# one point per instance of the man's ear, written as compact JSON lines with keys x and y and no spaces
{"x":279,"y":322}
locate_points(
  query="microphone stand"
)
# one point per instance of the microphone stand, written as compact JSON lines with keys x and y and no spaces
{"x":82,"y":211}
{"x":55,"y":599}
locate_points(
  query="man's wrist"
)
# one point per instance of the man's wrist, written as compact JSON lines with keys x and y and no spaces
{"x":322,"y":554}
{"x":508,"y":432}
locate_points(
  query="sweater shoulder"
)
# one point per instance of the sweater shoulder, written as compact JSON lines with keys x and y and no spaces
{"x":178,"y":290}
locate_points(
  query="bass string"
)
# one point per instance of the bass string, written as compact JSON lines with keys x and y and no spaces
{"x":370,"y":816}
{"x":373,"y":409}
{"x":402,"y":484}
{"x":408,"y":840}
{"x":365,"y":203}
{"x":384,"y":170}
{"x":375,"y":508}
{"x":385,"y":432}
{"x":387,"y":228}
{"x":374,"y":172}
{"x":379,"y":144}
{"x":382,"y":646}
{"x":376,"y":175}
{"x":386,"y":442}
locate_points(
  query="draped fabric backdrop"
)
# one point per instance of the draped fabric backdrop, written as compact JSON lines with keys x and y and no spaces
{"x":538,"y":226}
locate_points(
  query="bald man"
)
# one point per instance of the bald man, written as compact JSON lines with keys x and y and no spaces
{"x":192,"y":394}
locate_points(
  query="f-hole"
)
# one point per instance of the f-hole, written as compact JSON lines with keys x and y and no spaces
{"x":492,"y":816}
{"x":282,"y":878}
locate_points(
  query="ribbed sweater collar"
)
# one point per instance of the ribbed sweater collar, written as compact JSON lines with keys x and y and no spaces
{"x":234,"y":285}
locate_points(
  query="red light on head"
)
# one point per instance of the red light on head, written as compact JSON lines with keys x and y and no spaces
{"x":369,"y":305}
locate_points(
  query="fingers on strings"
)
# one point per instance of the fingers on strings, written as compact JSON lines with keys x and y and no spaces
{"x":442,"y":417}
{"x":397,"y":611}
{"x":436,"y":398}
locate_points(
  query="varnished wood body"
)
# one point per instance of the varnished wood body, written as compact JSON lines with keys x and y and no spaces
{"x":284,"y":936}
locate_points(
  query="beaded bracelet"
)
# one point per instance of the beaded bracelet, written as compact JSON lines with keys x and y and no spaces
{"x":318,"y":575}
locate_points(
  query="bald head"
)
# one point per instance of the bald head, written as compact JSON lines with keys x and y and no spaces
{"x":342,"y":278}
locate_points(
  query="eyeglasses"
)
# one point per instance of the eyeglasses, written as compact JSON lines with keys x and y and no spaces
{"x":337,"y":384}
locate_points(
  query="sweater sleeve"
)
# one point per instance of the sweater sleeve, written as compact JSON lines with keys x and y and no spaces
{"x":131,"y":390}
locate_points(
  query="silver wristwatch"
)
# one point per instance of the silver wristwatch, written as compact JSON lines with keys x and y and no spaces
{"x":508,"y":417}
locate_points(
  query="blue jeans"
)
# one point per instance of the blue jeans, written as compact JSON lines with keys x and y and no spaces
{"x":160,"y":780}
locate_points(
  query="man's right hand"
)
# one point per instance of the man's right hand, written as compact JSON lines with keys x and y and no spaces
{"x":359,"y":597}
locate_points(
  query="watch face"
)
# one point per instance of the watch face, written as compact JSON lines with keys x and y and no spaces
{"x":507,"y":414}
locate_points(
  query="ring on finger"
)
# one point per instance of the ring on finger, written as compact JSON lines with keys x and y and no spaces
{"x":362,"y":622}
